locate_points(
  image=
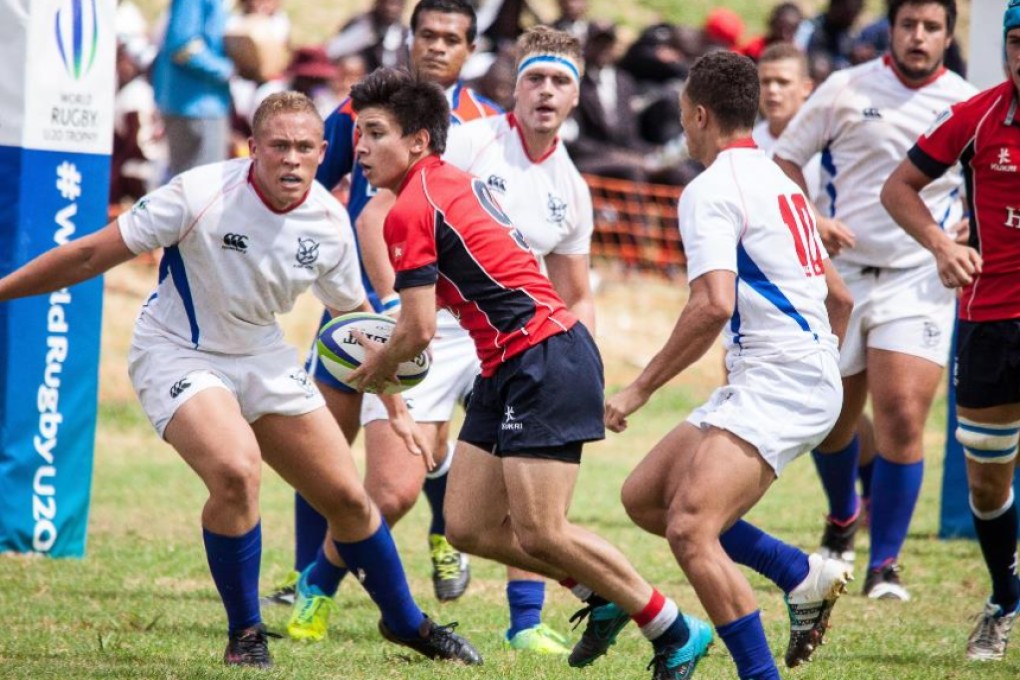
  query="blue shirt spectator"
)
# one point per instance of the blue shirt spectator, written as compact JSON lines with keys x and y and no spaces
{"x":191,"y":81}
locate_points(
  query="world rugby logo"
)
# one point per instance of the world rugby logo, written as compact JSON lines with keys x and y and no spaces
{"x":76,"y":25}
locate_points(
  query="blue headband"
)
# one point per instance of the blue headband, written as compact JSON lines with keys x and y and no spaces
{"x":557,"y":60}
{"x":1011,"y":19}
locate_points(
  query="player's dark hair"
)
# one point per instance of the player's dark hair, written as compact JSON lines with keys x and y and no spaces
{"x":726,"y":84}
{"x":448,"y":7}
{"x":893,"y":8}
{"x":417,"y":104}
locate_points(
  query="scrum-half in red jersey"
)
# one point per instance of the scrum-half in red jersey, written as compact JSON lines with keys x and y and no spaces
{"x":446,"y":229}
{"x":983,"y":133}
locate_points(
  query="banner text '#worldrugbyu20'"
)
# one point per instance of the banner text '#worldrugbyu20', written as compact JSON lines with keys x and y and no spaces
{"x":44,"y":503}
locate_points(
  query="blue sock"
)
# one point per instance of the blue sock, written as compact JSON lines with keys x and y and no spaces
{"x":378,"y":567}
{"x":525,"y":599}
{"x":997,"y":537}
{"x":323,"y":574}
{"x":309,"y":532}
{"x":782,"y":564}
{"x":745,"y":638}
{"x":864,"y":473}
{"x":895,"y":489}
{"x":838,"y":472}
{"x":435,"y":492}
{"x":234,"y":562}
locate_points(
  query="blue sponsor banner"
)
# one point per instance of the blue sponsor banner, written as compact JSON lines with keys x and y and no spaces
{"x":49,"y":349}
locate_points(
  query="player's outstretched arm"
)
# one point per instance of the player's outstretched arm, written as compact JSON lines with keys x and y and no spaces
{"x":708,"y":309}
{"x":66,"y":265}
{"x":901,"y":197}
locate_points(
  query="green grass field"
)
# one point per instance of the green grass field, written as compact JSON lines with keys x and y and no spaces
{"x":142,"y":605}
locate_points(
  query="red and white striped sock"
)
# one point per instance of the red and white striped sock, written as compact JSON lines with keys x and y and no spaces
{"x":657,"y":616}
{"x":581,"y":592}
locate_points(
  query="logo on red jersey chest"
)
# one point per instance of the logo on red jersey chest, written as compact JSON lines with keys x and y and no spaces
{"x":1004,"y":161}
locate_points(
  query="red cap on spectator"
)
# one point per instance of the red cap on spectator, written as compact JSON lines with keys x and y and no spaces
{"x":311,"y":62}
{"x":724,"y":26}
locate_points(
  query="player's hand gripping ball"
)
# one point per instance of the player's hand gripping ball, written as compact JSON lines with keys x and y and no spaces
{"x":341,"y":353}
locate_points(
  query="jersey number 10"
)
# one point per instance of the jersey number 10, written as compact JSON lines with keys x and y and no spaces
{"x":801,"y":223}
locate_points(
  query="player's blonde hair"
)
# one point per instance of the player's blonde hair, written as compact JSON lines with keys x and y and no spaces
{"x":282,"y":102}
{"x":545,"y":40}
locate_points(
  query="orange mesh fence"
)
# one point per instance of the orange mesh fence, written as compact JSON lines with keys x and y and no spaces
{"x":636,"y":225}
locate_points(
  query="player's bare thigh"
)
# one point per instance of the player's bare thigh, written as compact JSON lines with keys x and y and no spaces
{"x":713,"y":485}
{"x":393,"y":475}
{"x":476,"y":496}
{"x":902,"y":388}
{"x":213,"y":438}
{"x":310,"y":453}
{"x":649,"y":488}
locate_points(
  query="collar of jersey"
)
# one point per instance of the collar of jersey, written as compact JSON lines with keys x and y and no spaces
{"x":430,"y":161}
{"x":265,"y":201}
{"x":740,"y":143}
{"x":887,"y":60}
{"x":512,"y":120}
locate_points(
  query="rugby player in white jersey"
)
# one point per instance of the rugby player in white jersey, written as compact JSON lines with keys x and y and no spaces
{"x":757,"y":269}
{"x":527,"y":168}
{"x":863,"y":120}
{"x":241,"y":240}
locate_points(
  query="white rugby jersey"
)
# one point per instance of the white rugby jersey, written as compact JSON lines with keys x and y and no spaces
{"x":812,"y":171}
{"x":231,"y":263}
{"x":744,"y":215}
{"x":864,"y":120}
{"x":546,"y":198}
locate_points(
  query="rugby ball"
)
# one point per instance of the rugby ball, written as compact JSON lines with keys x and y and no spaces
{"x":341,"y":353}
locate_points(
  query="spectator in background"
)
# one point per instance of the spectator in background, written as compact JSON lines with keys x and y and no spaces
{"x":499,"y":79}
{"x":608,"y":141}
{"x":657,"y":56}
{"x":781,"y":27}
{"x":785,"y":86}
{"x":658,"y":61}
{"x":139,"y":152}
{"x":312,"y":74}
{"x":129,"y":21}
{"x":191,"y":78}
{"x":820,"y":67}
{"x":831,"y":32}
{"x":723,"y":29}
{"x":573,"y":19}
{"x":379,"y":36}
{"x":352,"y":69}
{"x":276,"y":18}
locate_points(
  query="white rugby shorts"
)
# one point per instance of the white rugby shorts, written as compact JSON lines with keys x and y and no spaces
{"x":899,"y":310}
{"x":783,"y":409}
{"x":165,"y":375}
{"x":449,"y":381}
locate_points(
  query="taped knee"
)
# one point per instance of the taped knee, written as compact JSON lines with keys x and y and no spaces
{"x":984,"y":443}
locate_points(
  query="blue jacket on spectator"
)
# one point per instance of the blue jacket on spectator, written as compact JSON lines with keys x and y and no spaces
{"x":192,"y":70}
